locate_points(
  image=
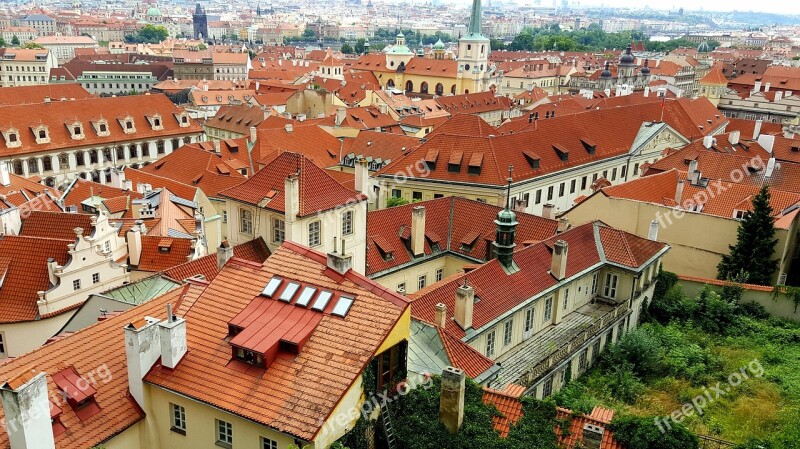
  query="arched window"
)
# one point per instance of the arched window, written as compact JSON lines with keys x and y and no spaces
{"x":80,"y":160}
{"x":390,"y":83}
{"x":93,"y":157}
{"x":120,"y":153}
{"x":17,"y":168}
{"x":175,"y":144}
{"x":134,"y":149}
{"x":453,"y":89}
{"x":160,"y":147}
{"x":47,"y":163}
{"x":466,"y":91}
{"x":96,"y":176}
{"x":409,"y":86}
{"x":423,"y":88}
{"x":33,"y":165}
{"x":106,"y":154}
{"x":439,"y":89}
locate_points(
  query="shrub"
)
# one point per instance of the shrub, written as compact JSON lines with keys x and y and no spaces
{"x":672,"y":304}
{"x":754,"y":310}
{"x":575,"y":397}
{"x":643,"y":433}
{"x":712,"y":313}
{"x":754,"y":443}
{"x":624,"y":385}
{"x":639,"y":349}
{"x":393,"y":201}
{"x":665,"y":281}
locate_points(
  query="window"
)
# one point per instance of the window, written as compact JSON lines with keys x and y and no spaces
{"x":508,"y":330}
{"x":347,"y":223}
{"x":526,"y":199}
{"x":76,"y":284}
{"x":178,"y":419}
{"x":401,"y":287}
{"x":33,"y":165}
{"x":390,"y":363}
{"x":245,"y":221}
{"x":583,"y":360}
{"x":224,"y":216}
{"x":416,"y":196}
{"x":636,"y":169}
{"x":611,"y":285}
{"x":549,"y":193}
{"x":396,"y":193}
{"x":538,"y":197}
{"x":623,"y":171}
{"x":548,"y":309}
{"x":529,"y":316}
{"x":47,"y":163}
{"x":278,"y":230}
{"x":160,"y":147}
{"x":583,"y":183}
{"x":561,"y":190}
{"x":266,"y":443}
{"x":439,"y":274}
{"x":547,"y":388}
{"x":313,"y":233}
{"x":594,"y":284}
{"x":224,"y":433}
{"x":566,"y":298}
{"x":490,"y":344}
{"x":95,"y":278}
{"x":572,"y":186}
{"x":422,"y":281}
{"x":614,"y":174}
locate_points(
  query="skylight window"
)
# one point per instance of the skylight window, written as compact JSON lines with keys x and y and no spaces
{"x":272,"y":286}
{"x":305,"y":297}
{"x":322,"y":300}
{"x":343,"y":306}
{"x":289,"y":291}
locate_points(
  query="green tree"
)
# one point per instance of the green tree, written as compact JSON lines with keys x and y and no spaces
{"x":14,"y":40}
{"x":644,"y":433}
{"x":347,"y":49}
{"x":309,"y":33}
{"x":396,"y":201}
{"x":755,"y":244}
{"x":359,"y":46}
{"x":2,"y":42}
{"x":496,"y":44}
{"x":31,"y":45}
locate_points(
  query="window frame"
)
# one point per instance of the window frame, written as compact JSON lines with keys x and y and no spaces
{"x":547,"y":316}
{"x":178,"y":418}
{"x":490,"y":343}
{"x":611,"y":285}
{"x":315,"y":236}
{"x":278,"y":230}
{"x":422,"y":281}
{"x":347,"y":222}
{"x":245,"y":217}
{"x":227,"y":433}
{"x":508,"y":332}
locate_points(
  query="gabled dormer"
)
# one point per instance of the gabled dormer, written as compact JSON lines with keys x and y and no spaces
{"x":41,"y":133}
{"x":156,"y":123}
{"x":75,"y":129}
{"x":12,"y":137}
{"x":127,"y":124}
{"x":79,"y":393}
{"x":183,"y":119}
{"x":101,"y":127}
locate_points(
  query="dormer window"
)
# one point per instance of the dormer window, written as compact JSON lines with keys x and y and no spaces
{"x":41,"y":133}
{"x":183,"y":118}
{"x":127,"y":124}
{"x":155,"y":122}
{"x":76,"y":130}
{"x":78,"y":392}
{"x":101,"y":127}
{"x":11,"y":136}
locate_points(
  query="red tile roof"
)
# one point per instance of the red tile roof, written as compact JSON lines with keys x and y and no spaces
{"x":160,"y":180}
{"x":59,"y":114}
{"x":177,"y":251}
{"x":55,"y":225}
{"x":317,"y":189}
{"x":715,"y":76}
{"x":464,"y":125}
{"x":80,"y":190}
{"x":449,"y":220}
{"x":23,"y":263}
{"x":378,"y":145}
{"x":507,"y":402}
{"x":464,"y":356}
{"x":362,"y":118}
{"x":253,"y":251}
{"x":307,"y":139}
{"x":295,"y":395}
{"x":237,"y":118}
{"x":37,"y":94}
{"x":475,"y":103}
{"x":573,"y":437}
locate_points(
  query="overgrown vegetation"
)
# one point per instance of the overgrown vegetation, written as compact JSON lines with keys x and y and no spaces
{"x":148,"y":34}
{"x":393,"y":201}
{"x":689,"y":346}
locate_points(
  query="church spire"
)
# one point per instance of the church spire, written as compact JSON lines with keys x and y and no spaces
{"x":506,"y":230}
{"x":475,"y":18}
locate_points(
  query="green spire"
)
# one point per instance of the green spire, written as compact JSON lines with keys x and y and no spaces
{"x":506,"y":230}
{"x":475,"y":18}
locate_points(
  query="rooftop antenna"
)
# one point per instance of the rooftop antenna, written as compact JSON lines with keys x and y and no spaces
{"x":508,"y":188}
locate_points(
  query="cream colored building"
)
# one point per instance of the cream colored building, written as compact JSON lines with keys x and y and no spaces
{"x":22,"y":67}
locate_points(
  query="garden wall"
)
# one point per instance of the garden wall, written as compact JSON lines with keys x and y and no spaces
{"x":780,"y":307}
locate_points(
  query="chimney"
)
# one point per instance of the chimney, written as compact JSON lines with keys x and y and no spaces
{"x":172,"y":333}
{"x":27,"y":412}
{"x":288,"y":127}
{"x":142,"y":350}
{"x":441,"y":315}
{"x":253,"y":134}
{"x":362,"y":177}
{"x":340,"y":114}
{"x":292,"y":196}
{"x":592,"y":436}
{"x":679,"y":191}
{"x":134,"y":238}
{"x":757,"y":130}
{"x":216,"y":147}
{"x":647,"y":91}
{"x":778,"y":96}
{"x":653,"y":233}
{"x":418,"y":230}
{"x":767,"y":142}
{"x":451,"y":398}
{"x":5,"y":178}
{"x":558,"y":265}
{"x":224,"y":254}
{"x":258,"y":85}
{"x":757,"y":86}
{"x":708,"y":141}
{"x":563,"y":225}
{"x":339,"y":262}
{"x":52,"y":265}
{"x":770,"y":167}
{"x":734,"y":136}
{"x":465,"y":301}
{"x":118,"y":178}
{"x":549,"y":211}
{"x":766,"y":87}
{"x":693,"y":175}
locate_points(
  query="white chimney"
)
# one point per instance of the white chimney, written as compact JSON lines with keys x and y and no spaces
{"x":465,"y":302}
{"x":647,"y":91}
{"x":766,"y":87}
{"x":339,"y":262}
{"x":118,"y":178}
{"x":288,"y":127}
{"x":362,"y":177}
{"x":52,"y":265}
{"x":258,"y":84}
{"x":757,"y":86}
{"x":549,"y":211}
{"x":734,"y":136}
{"x":142,"y":350}
{"x":418,"y":230}
{"x":770,"y":167}
{"x":708,"y":141}
{"x":172,"y":333}
{"x":253,"y":134}
{"x":778,"y":96}
{"x":340,"y":115}
{"x":441,"y":315}
{"x":679,"y":191}
{"x":134,"y":238}
{"x":224,"y":254}
{"x":27,"y":412}
{"x":757,"y":130}
{"x":292,"y":196}
{"x":558,"y":265}
{"x":767,"y":142}
{"x":216,"y":146}
{"x":693,"y":175}
{"x":451,"y":398}
{"x":5,"y":178}
{"x":653,"y":233}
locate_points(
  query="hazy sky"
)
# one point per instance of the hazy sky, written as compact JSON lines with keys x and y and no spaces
{"x":770,"y":6}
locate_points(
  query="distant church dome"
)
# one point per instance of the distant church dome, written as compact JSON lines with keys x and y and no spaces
{"x":439,"y":45}
{"x":703,"y":48}
{"x":627,"y":58}
{"x":646,"y":68}
{"x":154,"y":12}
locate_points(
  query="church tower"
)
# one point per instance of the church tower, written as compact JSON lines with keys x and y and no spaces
{"x":473,"y":55}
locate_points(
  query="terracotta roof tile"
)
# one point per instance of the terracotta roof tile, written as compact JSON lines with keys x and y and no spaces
{"x":55,"y":225}
{"x":573,"y":437}
{"x":463,"y":356}
{"x":508,"y":403}
{"x":254,"y":251}
{"x":159,"y":254}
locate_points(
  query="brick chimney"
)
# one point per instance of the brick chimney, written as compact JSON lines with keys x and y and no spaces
{"x":224,"y":254}
{"x":653,"y":232}
{"x":451,"y":398}
{"x":5,"y":178}
{"x":27,"y":412}
{"x":142,"y":350}
{"x":418,"y":230}
{"x":465,"y":302}
{"x":362,"y":176}
{"x":558,"y":266}
{"x":441,"y":315}
{"x":172,"y":334}
{"x":549,"y":211}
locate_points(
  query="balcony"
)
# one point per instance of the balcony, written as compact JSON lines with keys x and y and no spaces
{"x":529,"y":360}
